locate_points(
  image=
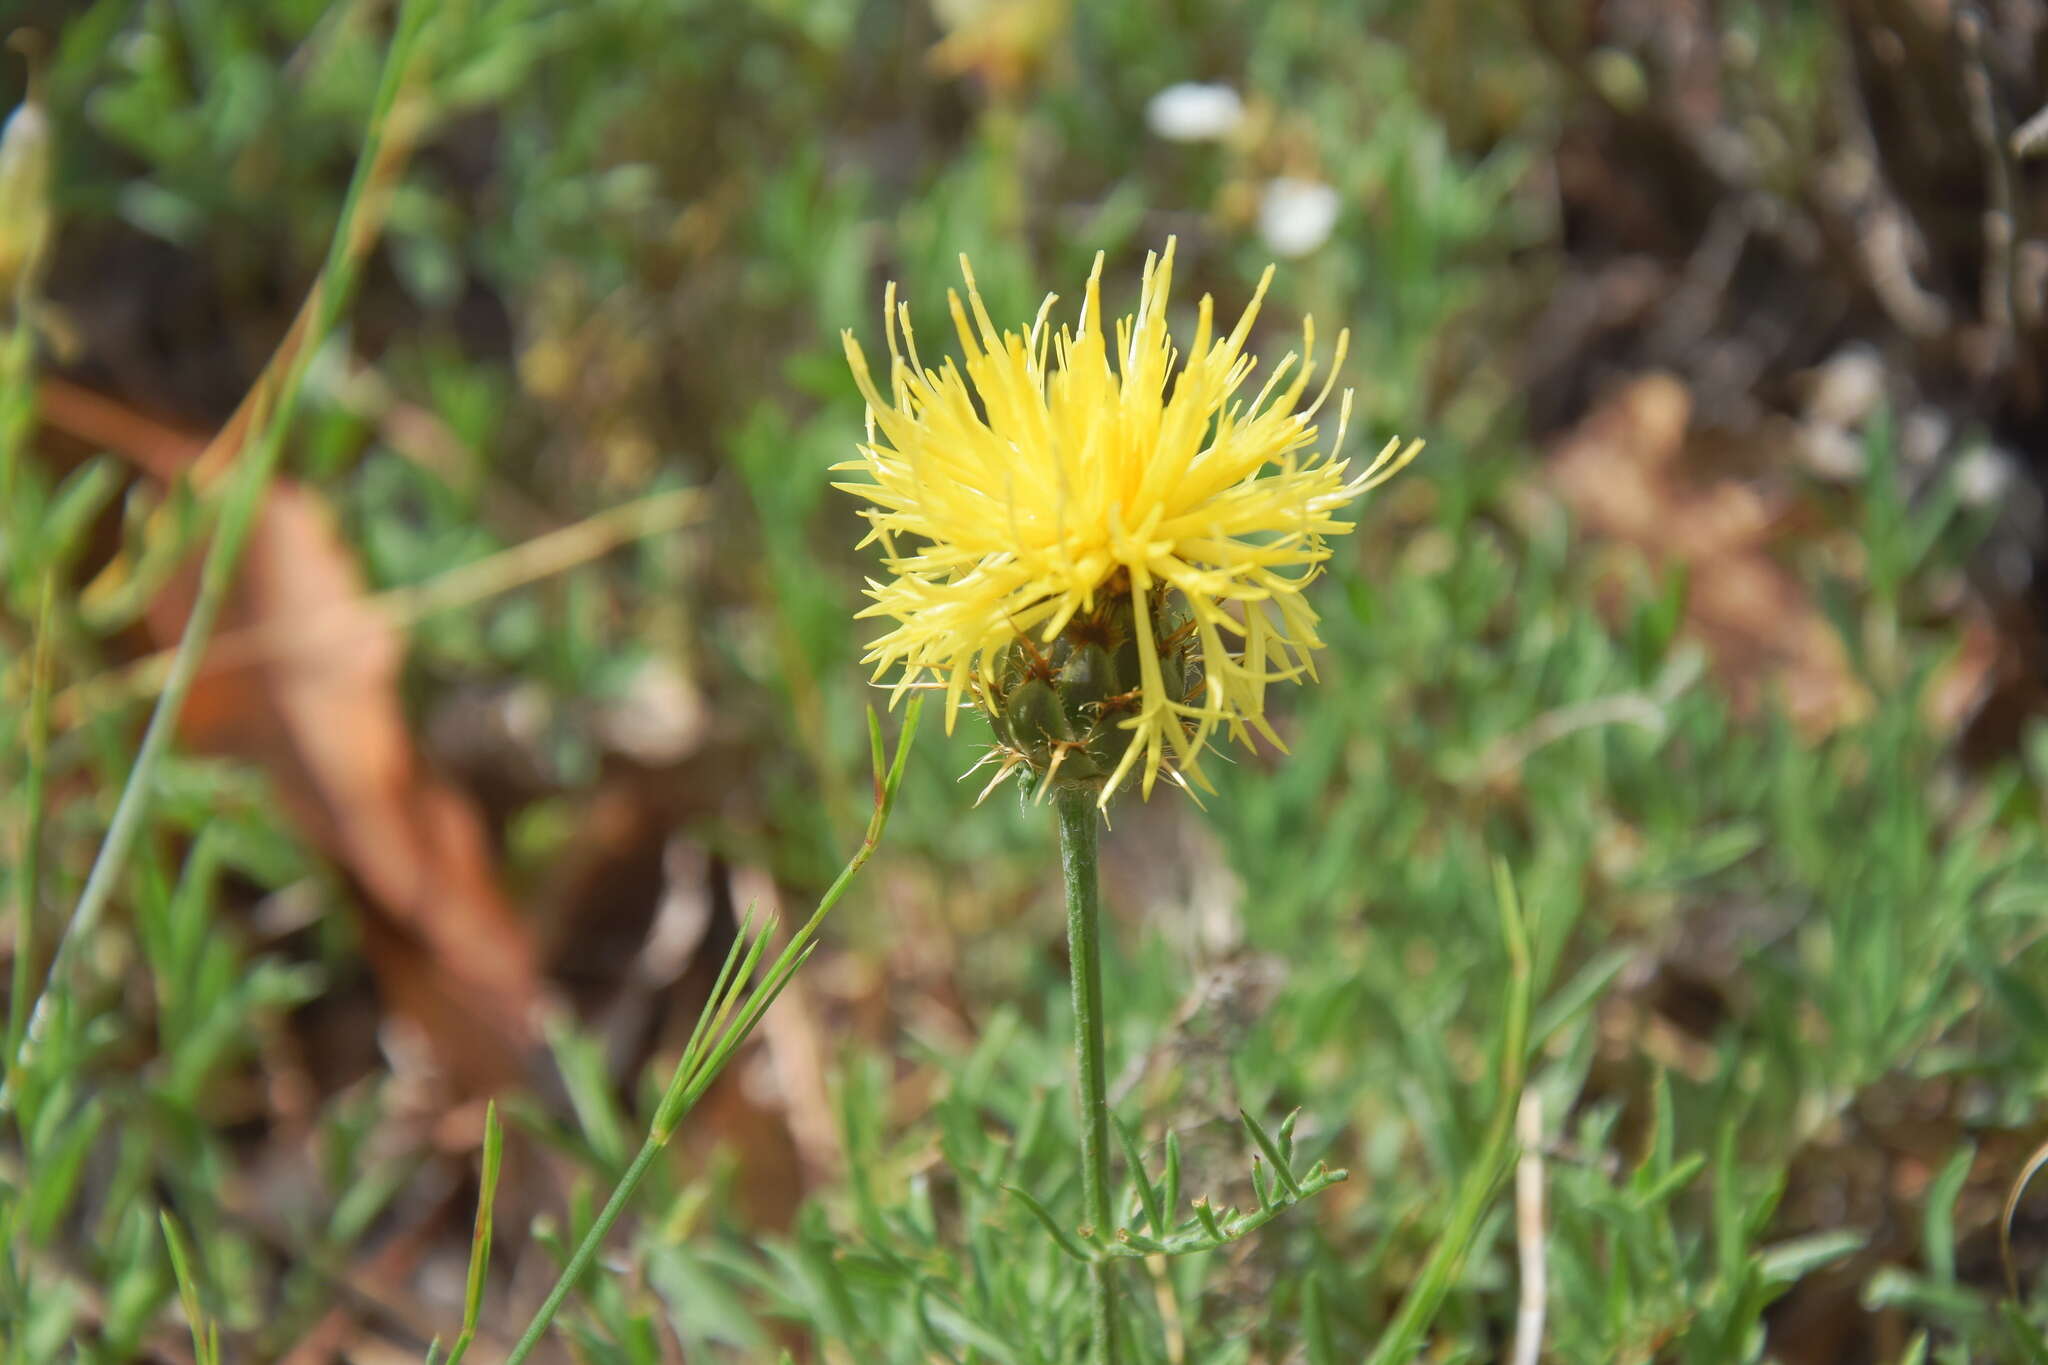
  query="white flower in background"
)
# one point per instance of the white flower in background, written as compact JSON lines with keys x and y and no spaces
{"x":1832,"y":453}
{"x":1843,"y":390}
{"x":660,"y":718}
{"x":1296,"y":216}
{"x":1924,"y":436}
{"x":1195,"y":111}
{"x":1985,"y":477}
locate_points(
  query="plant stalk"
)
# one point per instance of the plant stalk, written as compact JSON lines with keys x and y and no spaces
{"x":738,"y":1000}
{"x":1079,"y":823}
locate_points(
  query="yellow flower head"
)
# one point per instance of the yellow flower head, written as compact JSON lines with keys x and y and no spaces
{"x":1109,"y":555}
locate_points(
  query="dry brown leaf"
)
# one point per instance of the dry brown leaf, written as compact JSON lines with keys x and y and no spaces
{"x":100,"y":423}
{"x":1620,"y":473}
{"x":323,"y":719}
{"x":320,"y":713}
{"x":1963,"y":684}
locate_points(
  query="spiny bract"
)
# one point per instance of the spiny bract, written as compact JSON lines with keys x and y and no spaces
{"x":1045,"y":483}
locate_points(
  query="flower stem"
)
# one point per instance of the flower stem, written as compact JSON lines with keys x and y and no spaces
{"x":1079,"y":823}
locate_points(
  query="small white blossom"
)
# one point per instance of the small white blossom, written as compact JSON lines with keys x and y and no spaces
{"x":1985,"y":477}
{"x":1831,"y":452}
{"x":1843,"y":390}
{"x":1296,"y":216}
{"x":1195,"y":111}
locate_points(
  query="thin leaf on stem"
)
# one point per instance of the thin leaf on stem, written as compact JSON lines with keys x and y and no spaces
{"x":735,"y":1007}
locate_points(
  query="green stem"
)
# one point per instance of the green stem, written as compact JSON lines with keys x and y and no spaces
{"x":1079,"y":823}
{"x":28,"y":866}
{"x":738,"y":1000}
{"x":587,"y":1249}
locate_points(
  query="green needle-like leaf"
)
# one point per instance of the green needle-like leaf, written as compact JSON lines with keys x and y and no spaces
{"x":1066,"y":1240}
{"x":480,"y":1238}
{"x":1273,"y":1152}
{"x":1148,"y":1193}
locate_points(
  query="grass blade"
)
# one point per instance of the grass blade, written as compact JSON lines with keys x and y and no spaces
{"x":1066,"y":1240}
{"x":1495,"y":1158}
{"x":28,"y":864}
{"x":480,"y":1239}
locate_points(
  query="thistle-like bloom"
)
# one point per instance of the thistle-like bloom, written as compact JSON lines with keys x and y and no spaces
{"x":1107,"y":554}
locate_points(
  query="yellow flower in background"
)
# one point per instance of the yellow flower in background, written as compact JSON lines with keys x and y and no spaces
{"x":1006,"y":43}
{"x":1107,"y":553}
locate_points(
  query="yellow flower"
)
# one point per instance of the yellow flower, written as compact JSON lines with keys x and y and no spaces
{"x":1059,"y":511}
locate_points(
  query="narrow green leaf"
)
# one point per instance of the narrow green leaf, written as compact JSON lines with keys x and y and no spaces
{"x":2026,"y":1338}
{"x":1671,"y":1182}
{"x":1272,"y":1151}
{"x":1315,"y":1323}
{"x":1148,"y":1193}
{"x":1067,"y":1241}
{"x":933,"y":1337}
{"x":1567,"y":1002}
{"x":1169,"y":1196}
{"x":716,"y":1042}
{"x":911,"y":714}
{"x":1490,"y":1168}
{"x":876,"y":756}
{"x":1731,"y":1245}
{"x":205,"y":1340}
{"x":27,"y":872}
{"x":733,"y":953}
{"x":81,"y":499}
{"x":1938,"y":1235}
{"x":480,"y":1237}
{"x":1790,"y":1260}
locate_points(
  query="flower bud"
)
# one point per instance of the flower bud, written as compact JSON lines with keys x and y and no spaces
{"x":25,"y":162}
{"x":1064,"y":711}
